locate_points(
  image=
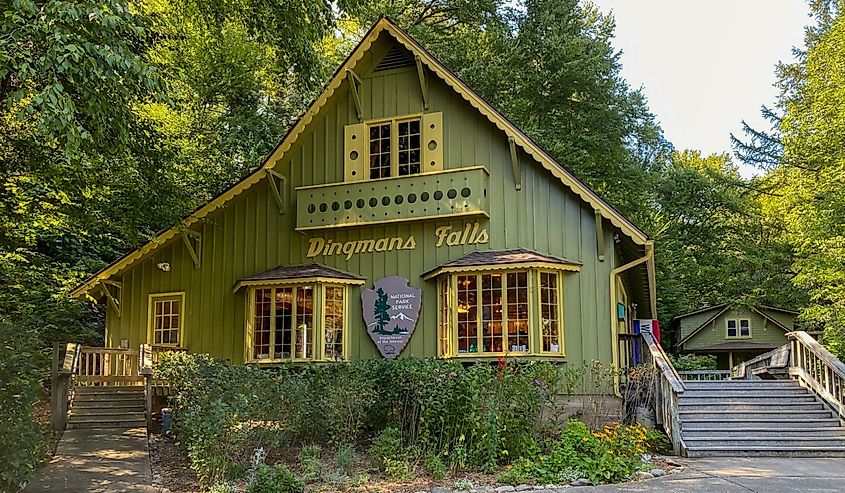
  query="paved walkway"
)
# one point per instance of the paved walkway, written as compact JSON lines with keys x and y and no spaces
{"x":97,"y":461}
{"x":744,"y":475}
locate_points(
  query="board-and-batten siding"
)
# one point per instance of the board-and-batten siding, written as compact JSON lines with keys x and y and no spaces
{"x":249,"y":235}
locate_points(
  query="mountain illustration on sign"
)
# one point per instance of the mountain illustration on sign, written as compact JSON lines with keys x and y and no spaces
{"x":383,"y":318}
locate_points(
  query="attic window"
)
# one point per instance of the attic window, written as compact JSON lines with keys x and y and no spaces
{"x":395,"y":58}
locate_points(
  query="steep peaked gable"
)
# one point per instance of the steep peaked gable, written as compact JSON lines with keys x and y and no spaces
{"x":340,"y":78}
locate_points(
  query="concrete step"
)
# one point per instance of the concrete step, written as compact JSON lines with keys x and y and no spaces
{"x":743,"y":400}
{"x":742,"y":415}
{"x":741,"y":384}
{"x":773,"y":393}
{"x":751,"y":406}
{"x":750,"y":441}
{"x":762,"y":431}
{"x":766,"y":451}
{"x":696,"y":422}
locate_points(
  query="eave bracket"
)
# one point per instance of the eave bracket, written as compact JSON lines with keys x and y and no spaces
{"x":517,"y":173}
{"x":423,"y":83}
{"x":355,"y":90}
{"x":113,"y":290}
{"x":279,"y":188}
{"x":600,"y":236}
{"x":193,"y":242}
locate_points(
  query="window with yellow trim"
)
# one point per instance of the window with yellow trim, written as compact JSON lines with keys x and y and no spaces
{"x":499,"y":313}
{"x":395,"y":148}
{"x":166,"y":318}
{"x":299,"y":322}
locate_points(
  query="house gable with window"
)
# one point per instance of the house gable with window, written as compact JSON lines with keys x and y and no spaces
{"x":397,"y":169}
{"x":733,"y":334}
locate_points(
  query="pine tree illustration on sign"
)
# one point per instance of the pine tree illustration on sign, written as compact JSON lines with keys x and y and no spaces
{"x":380,"y":312}
{"x":390,"y":311}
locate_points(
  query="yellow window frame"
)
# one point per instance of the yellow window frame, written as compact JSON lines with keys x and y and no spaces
{"x":559,"y":309}
{"x":318,"y":322}
{"x":154,"y":298}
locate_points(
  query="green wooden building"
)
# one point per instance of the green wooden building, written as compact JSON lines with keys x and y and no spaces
{"x":733,"y":334}
{"x":397,"y":169}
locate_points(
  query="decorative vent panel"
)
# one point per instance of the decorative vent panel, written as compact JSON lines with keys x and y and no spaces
{"x":397,"y":57}
{"x":460,"y":192}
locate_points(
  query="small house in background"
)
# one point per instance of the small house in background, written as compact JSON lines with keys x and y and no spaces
{"x":732,"y":334}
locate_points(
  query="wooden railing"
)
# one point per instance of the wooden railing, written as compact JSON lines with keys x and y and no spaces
{"x":776,"y":358}
{"x":669,"y":387}
{"x":818,"y":370}
{"x":709,"y":375}
{"x":108,"y":366}
{"x":90,"y":366}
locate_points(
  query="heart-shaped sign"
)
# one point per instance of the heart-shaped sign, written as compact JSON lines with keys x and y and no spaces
{"x":391,"y":310}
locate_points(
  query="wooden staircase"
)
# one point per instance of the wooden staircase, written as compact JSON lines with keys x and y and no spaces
{"x":788,"y":402}
{"x":757,"y":418}
{"x":108,"y":407}
{"x":103,"y":388}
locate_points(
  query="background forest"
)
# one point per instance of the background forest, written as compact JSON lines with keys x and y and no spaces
{"x":121,"y":116}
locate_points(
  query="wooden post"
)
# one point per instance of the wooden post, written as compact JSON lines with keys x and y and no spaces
{"x":58,"y":401}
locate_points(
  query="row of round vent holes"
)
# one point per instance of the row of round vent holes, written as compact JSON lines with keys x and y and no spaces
{"x":399,"y":199}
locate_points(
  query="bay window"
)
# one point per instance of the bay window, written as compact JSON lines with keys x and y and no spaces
{"x":297,"y":322}
{"x":507,"y":312}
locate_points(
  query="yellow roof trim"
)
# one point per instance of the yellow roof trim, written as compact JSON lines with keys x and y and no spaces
{"x":295,"y":281}
{"x":383,"y":24}
{"x":503,"y":267}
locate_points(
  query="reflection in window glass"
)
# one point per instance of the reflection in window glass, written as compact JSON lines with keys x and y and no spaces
{"x":166,"y":322}
{"x":467,"y":314}
{"x":549,"y":323}
{"x":284,"y":323}
{"x":380,"y":151}
{"x":491,"y":312}
{"x":304,"y":327}
{"x":517,"y":306}
{"x":261,"y":346}
{"x":334,"y":322}
{"x":409,"y":147}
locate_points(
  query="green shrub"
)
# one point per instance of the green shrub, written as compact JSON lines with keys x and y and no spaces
{"x":434,"y":465}
{"x":610,"y":455}
{"x":344,"y":457}
{"x":398,"y":469}
{"x":476,"y":417}
{"x":277,"y":479}
{"x":385,"y":446}
{"x":309,"y":461}
{"x":692,"y":362}
{"x":22,"y":442}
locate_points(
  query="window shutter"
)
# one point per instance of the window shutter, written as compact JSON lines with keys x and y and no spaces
{"x":354,"y":152}
{"x":432,"y":152}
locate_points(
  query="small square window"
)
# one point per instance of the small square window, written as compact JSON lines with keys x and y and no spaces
{"x":732,"y":328}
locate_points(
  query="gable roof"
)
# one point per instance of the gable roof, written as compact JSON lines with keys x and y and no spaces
{"x":723,"y":308}
{"x":339,"y":78}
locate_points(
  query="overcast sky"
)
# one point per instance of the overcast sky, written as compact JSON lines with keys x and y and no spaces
{"x":705,"y":65}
